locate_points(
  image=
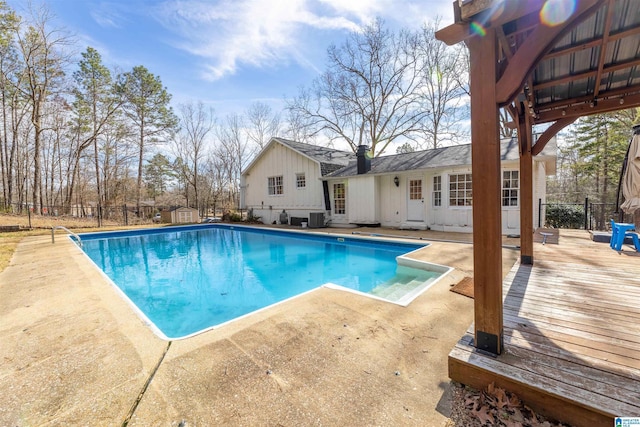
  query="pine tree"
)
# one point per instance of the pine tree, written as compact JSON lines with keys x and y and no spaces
{"x":146,"y":105}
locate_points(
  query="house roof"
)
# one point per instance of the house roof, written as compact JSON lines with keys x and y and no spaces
{"x":329,"y":159}
{"x":444,"y":157}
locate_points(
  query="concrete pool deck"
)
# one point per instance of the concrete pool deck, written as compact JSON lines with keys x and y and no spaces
{"x":75,"y":353}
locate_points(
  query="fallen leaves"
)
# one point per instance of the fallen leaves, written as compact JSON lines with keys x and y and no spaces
{"x":495,"y":406}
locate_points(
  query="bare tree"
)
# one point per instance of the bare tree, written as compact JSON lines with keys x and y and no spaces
{"x":507,"y":124}
{"x":445,"y":72}
{"x":53,"y":144}
{"x":216,"y":181}
{"x":299,"y":126}
{"x":9,"y":75}
{"x":263,"y":123}
{"x":119,"y":155}
{"x":189,"y":146}
{"x":234,"y":150}
{"x":369,"y":94}
{"x":44,"y":60}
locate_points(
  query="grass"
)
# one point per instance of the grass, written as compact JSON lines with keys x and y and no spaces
{"x":8,"y":243}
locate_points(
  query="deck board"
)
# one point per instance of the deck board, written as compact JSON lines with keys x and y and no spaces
{"x":571,"y":333}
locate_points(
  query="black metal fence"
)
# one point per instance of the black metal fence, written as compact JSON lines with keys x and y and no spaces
{"x":88,"y":216}
{"x":586,"y":216}
{"x":80,"y":215}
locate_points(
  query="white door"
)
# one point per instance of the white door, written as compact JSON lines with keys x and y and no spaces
{"x":415,"y":202}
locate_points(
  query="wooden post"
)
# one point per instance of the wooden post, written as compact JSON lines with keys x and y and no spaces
{"x":487,"y":213}
{"x":526,"y":193}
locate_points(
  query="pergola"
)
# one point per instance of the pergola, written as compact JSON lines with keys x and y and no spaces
{"x":545,"y":62}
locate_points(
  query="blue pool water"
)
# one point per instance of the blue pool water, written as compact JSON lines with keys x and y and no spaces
{"x":187,"y":279}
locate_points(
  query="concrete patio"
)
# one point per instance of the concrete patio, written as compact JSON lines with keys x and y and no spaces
{"x":75,"y":353}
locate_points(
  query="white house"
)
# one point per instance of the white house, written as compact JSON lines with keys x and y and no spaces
{"x":287,"y":175}
{"x":430,"y":189}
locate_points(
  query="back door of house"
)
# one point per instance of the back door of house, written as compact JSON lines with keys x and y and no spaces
{"x":415,"y":201}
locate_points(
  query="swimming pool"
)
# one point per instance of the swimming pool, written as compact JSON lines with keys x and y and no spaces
{"x":187,"y":279}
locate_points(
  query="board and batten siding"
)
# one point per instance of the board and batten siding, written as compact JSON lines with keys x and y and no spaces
{"x":362,"y":202}
{"x":298,"y":202}
{"x":539,"y":191}
{"x":393,"y":206}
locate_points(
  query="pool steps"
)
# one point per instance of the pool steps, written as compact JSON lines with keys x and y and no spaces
{"x":407,"y":281}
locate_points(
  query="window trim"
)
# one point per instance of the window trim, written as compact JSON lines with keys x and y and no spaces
{"x":466,"y":190}
{"x":436,"y":193}
{"x":303,"y":181}
{"x":343,"y":199}
{"x":272,"y":185}
{"x":510,"y":189}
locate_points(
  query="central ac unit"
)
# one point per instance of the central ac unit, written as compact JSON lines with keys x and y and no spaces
{"x":316,"y":220}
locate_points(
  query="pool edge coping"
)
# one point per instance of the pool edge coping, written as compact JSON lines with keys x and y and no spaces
{"x":400,"y":260}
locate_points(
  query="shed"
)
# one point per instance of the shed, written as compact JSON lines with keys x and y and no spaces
{"x":181,"y":215}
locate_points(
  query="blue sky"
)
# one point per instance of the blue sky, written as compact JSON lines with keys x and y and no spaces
{"x":228,"y":53}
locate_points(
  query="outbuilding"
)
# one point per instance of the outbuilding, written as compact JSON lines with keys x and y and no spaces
{"x":180,"y":215}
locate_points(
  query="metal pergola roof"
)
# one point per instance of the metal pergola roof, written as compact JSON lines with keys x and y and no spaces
{"x":592,"y":69}
{"x":593,"y":65}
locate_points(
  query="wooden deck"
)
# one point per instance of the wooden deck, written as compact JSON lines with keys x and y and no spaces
{"x":571,"y":333}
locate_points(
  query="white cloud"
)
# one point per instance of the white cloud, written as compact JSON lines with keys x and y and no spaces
{"x":229,"y":33}
{"x":108,"y":15}
{"x":364,"y":10}
{"x":226,"y":34}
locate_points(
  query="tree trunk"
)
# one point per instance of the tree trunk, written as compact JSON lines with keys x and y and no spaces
{"x":4,"y":148}
{"x":36,"y":190}
{"x":140,"y":160}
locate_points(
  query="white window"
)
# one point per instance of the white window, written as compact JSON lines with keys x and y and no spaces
{"x":339,"y":199}
{"x":275,"y":185}
{"x":301,"y":181}
{"x":510,"y":188}
{"x":460,"y":190}
{"x":436,"y":197}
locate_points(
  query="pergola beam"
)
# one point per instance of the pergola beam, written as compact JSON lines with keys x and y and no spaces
{"x":525,"y":138}
{"x":586,"y":109}
{"x":550,"y":132}
{"x":487,"y":213}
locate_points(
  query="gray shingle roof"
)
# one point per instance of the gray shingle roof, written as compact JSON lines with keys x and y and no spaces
{"x":457,"y":155}
{"x":330,"y":159}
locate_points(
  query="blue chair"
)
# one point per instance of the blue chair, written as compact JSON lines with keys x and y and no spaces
{"x":614,"y":234}
{"x":621,"y":230}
